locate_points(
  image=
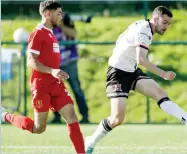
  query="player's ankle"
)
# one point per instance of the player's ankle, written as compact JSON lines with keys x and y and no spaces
{"x":3,"y":119}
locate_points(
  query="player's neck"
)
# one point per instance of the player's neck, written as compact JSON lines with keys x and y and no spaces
{"x":152,"y":25}
{"x":47,"y":24}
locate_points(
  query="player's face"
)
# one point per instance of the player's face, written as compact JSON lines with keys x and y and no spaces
{"x":56,"y":17}
{"x":162,"y":23}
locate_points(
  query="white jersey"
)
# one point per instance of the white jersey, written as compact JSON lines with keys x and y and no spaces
{"x":124,"y":55}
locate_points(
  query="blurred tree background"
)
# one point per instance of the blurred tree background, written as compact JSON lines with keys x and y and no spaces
{"x":10,"y":9}
{"x":110,"y":18}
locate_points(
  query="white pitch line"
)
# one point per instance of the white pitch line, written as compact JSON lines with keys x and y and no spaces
{"x":99,"y":147}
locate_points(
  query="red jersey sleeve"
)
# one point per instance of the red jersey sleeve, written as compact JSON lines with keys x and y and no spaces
{"x":35,"y":42}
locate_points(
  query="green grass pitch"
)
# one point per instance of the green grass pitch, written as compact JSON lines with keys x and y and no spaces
{"x":126,"y":139}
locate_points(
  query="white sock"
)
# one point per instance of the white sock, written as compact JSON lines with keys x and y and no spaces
{"x":173,"y":109}
{"x":101,"y":131}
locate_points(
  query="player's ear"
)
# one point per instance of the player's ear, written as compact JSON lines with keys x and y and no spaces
{"x":47,"y":13}
{"x":155,"y":19}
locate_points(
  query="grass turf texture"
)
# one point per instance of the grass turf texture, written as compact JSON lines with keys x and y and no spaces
{"x":126,"y":139}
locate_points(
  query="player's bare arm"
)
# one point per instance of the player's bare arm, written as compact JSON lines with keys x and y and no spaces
{"x":143,"y":61}
{"x":33,"y":63}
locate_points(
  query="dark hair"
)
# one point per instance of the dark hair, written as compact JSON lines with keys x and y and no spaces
{"x":162,"y":10}
{"x":68,"y":21}
{"x":49,"y":5}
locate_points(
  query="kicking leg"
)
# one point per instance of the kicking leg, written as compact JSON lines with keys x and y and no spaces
{"x":37,"y":126}
{"x":40,"y":122}
{"x":68,"y":113}
{"x":149,"y":87}
{"x":22,"y":122}
{"x":106,"y":125}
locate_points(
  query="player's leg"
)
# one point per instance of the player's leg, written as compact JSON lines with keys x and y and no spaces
{"x":64,"y":105}
{"x":22,"y":122}
{"x":69,"y":115}
{"x":117,"y":88}
{"x":41,"y":104}
{"x":38,"y":125}
{"x":105,"y":126}
{"x":40,"y":122}
{"x":150,"y":88}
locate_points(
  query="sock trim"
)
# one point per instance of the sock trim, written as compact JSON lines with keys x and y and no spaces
{"x":162,"y":100}
{"x":183,"y":120}
{"x":106,"y":125}
{"x":75,"y":123}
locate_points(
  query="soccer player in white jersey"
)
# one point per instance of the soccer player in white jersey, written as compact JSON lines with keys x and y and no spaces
{"x":123,"y":75}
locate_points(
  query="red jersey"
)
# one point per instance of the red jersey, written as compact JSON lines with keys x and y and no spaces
{"x":43,"y":42}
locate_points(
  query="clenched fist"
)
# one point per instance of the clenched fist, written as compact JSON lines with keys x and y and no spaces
{"x":169,"y":75}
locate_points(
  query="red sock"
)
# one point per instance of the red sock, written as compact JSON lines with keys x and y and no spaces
{"x":76,"y":137}
{"x":19,"y":121}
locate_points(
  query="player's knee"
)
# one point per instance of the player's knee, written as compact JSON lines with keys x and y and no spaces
{"x":71,"y":117}
{"x":159,"y":94}
{"x":39,"y":129}
{"x":117,"y":120}
{"x":74,"y":117}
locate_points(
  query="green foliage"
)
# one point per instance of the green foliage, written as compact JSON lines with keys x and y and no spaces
{"x":94,"y":58}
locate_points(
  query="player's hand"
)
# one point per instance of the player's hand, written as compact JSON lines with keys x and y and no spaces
{"x":169,"y":75}
{"x":59,"y":74}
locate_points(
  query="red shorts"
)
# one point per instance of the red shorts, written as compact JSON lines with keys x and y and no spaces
{"x":54,"y":97}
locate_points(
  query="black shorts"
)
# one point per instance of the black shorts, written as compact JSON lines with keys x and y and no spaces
{"x":119,"y":83}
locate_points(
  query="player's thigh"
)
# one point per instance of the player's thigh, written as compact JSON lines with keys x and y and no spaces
{"x":63,"y":103}
{"x":118,"y":107}
{"x":41,"y":100}
{"x":149,"y":87}
{"x":40,"y":120}
{"x":68,"y":113}
{"x":118,"y":83}
{"x":41,"y":104}
{"x":60,"y":98}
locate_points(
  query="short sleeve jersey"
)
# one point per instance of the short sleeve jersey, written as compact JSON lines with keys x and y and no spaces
{"x":124,"y":55}
{"x":43,"y":42}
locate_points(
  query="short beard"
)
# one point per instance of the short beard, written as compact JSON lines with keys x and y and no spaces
{"x":157,"y":31}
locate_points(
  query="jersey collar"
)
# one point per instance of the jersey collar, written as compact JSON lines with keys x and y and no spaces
{"x":42,"y":26}
{"x":150,"y":26}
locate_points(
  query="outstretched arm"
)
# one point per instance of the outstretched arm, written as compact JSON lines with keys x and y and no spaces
{"x":143,"y":61}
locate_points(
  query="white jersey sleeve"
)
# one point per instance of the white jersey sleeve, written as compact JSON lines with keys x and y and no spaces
{"x":143,"y":37}
{"x":124,"y":56}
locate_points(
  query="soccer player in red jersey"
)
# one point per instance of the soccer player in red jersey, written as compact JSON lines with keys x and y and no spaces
{"x":46,"y":83}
